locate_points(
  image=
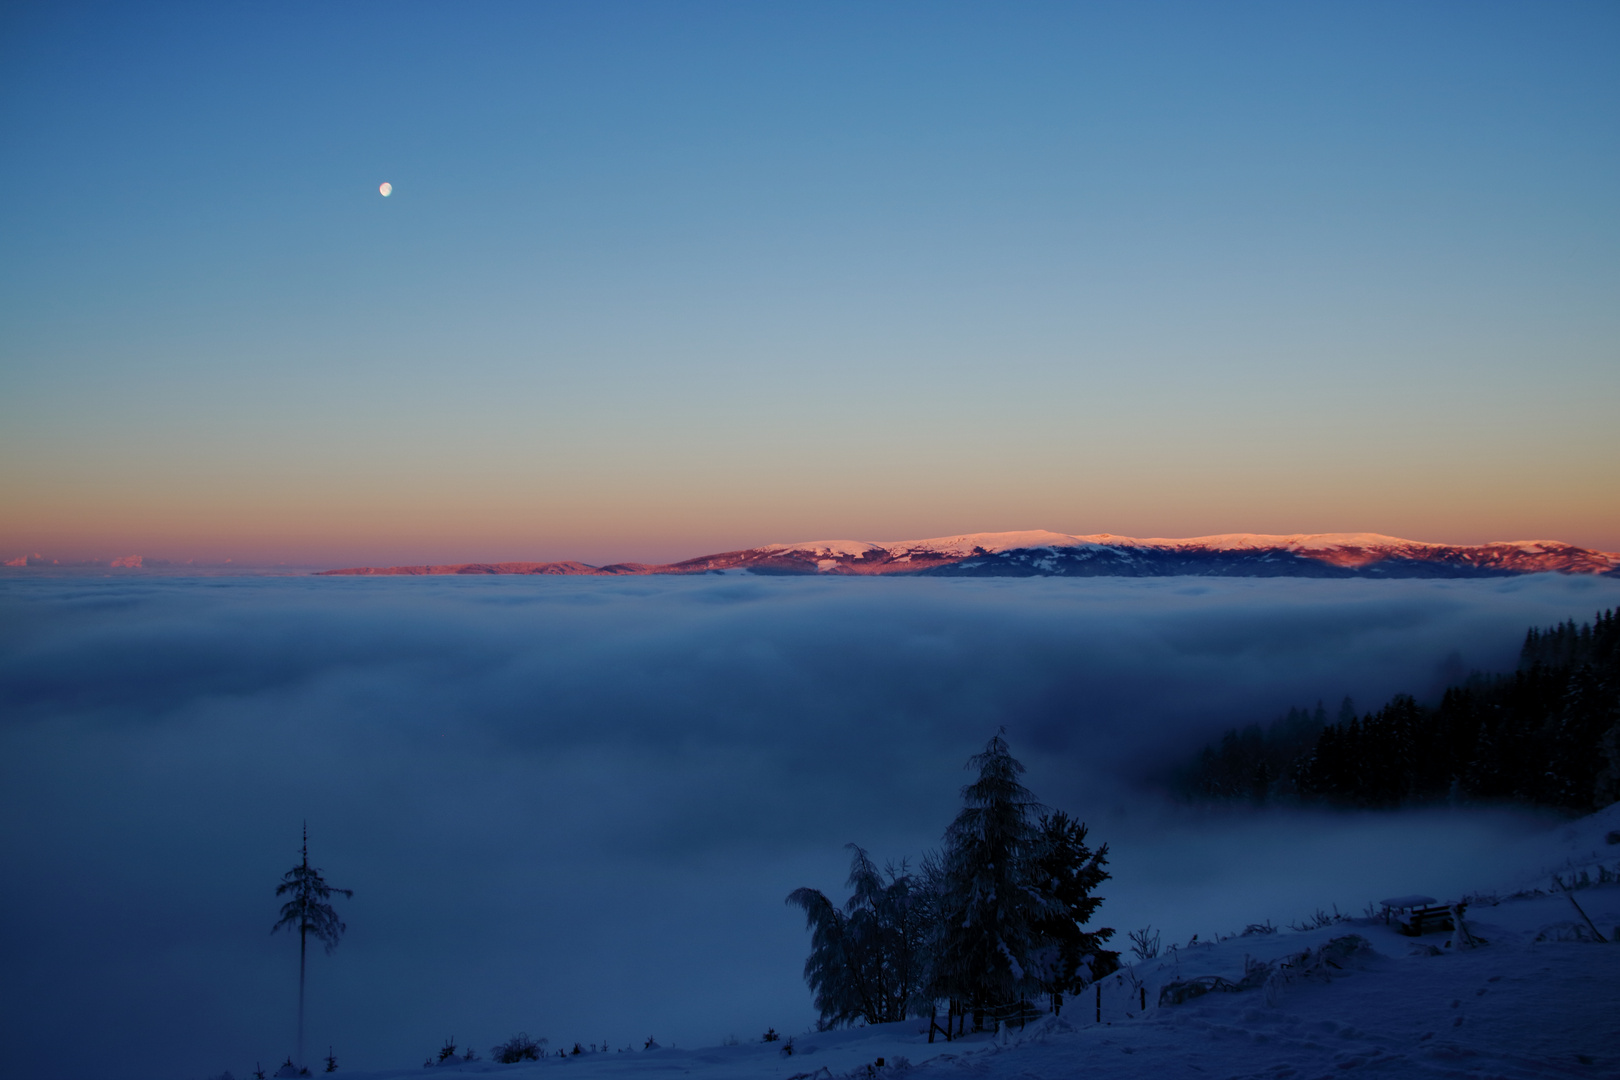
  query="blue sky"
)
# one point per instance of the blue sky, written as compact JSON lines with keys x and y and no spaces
{"x":660,"y":279}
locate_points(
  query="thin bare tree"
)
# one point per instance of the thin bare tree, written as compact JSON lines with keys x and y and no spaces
{"x":308,"y":912}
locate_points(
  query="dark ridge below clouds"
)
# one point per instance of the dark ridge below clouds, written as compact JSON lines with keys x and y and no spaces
{"x":573,"y":806}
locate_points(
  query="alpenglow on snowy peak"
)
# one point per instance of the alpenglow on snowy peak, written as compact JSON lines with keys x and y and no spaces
{"x":1049,"y":554}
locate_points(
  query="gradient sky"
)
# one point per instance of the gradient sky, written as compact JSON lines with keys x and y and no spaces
{"x":662,"y":279}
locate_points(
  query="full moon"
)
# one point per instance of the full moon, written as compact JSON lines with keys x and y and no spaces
{"x":386,"y":188}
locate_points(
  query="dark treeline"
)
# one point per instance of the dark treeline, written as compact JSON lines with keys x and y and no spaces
{"x":1548,"y":735}
{"x":991,"y":921}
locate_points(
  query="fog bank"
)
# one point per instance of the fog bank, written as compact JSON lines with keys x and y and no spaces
{"x":574,"y":806}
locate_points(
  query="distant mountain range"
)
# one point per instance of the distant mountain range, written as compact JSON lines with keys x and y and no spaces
{"x":1049,"y":554}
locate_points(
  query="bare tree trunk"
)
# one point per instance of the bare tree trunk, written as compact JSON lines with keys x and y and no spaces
{"x":1595,"y":931}
{"x":301,"y":936}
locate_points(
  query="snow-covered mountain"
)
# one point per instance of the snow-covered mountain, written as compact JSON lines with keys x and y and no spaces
{"x":1049,"y":554}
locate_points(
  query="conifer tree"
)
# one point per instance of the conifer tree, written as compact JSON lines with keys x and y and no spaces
{"x":993,"y":918}
{"x":308,"y":912}
{"x":991,"y":912}
{"x":1063,"y":866}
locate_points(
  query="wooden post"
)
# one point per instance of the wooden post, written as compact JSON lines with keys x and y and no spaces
{"x":1099,"y":1001}
{"x":1144,"y":998}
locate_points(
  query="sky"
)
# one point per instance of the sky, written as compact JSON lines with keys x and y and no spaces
{"x":576,"y":806}
{"x":658,"y":280}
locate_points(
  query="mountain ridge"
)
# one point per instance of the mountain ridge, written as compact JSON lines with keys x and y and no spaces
{"x":1039,"y":553}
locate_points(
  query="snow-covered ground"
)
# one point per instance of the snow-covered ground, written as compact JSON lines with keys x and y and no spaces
{"x":1535,"y":997}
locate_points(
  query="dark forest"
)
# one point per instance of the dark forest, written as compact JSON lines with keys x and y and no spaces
{"x":1547,"y":734}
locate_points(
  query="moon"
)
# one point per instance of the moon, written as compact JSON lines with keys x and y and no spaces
{"x":386,"y":188}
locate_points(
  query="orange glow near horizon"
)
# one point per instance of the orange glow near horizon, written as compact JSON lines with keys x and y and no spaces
{"x":328,"y":522}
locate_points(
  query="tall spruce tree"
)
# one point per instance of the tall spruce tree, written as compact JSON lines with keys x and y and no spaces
{"x":308,"y":912}
{"x":991,"y":911}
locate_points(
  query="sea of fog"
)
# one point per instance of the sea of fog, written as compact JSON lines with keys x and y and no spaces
{"x":574,"y":806}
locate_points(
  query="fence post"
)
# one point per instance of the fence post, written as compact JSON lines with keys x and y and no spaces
{"x":1099,"y":1001}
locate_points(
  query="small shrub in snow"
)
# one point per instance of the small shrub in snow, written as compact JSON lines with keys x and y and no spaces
{"x":787,"y":1047}
{"x":1135,"y":989}
{"x":1320,"y":919}
{"x":331,"y":1061}
{"x":448,"y":1050}
{"x":770,"y":1035}
{"x":1254,"y":929}
{"x":518,"y":1048}
{"x":1145,"y":943}
{"x":1256,"y":973}
{"x":1320,"y":963}
{"x":651,"y":1044}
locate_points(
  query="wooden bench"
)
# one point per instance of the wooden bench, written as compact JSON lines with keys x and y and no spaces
{"x":1422,"y":920}
{"x":1418,"y":915}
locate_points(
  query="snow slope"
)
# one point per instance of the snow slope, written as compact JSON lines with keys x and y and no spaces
{"x":1530,"y":1000}
{"x":961,"y":545}
{"x":1042,"y":553}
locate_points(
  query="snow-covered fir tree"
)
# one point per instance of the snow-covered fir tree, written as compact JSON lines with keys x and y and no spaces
{"x":993,"y":919}
{"x":992,"y":912}
{"x":1068,"y":870}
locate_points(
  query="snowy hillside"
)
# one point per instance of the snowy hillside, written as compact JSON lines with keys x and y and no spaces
{"x":1048,"y":554}
{"x":1235,"y":554}
{"x":1533,"y":995}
